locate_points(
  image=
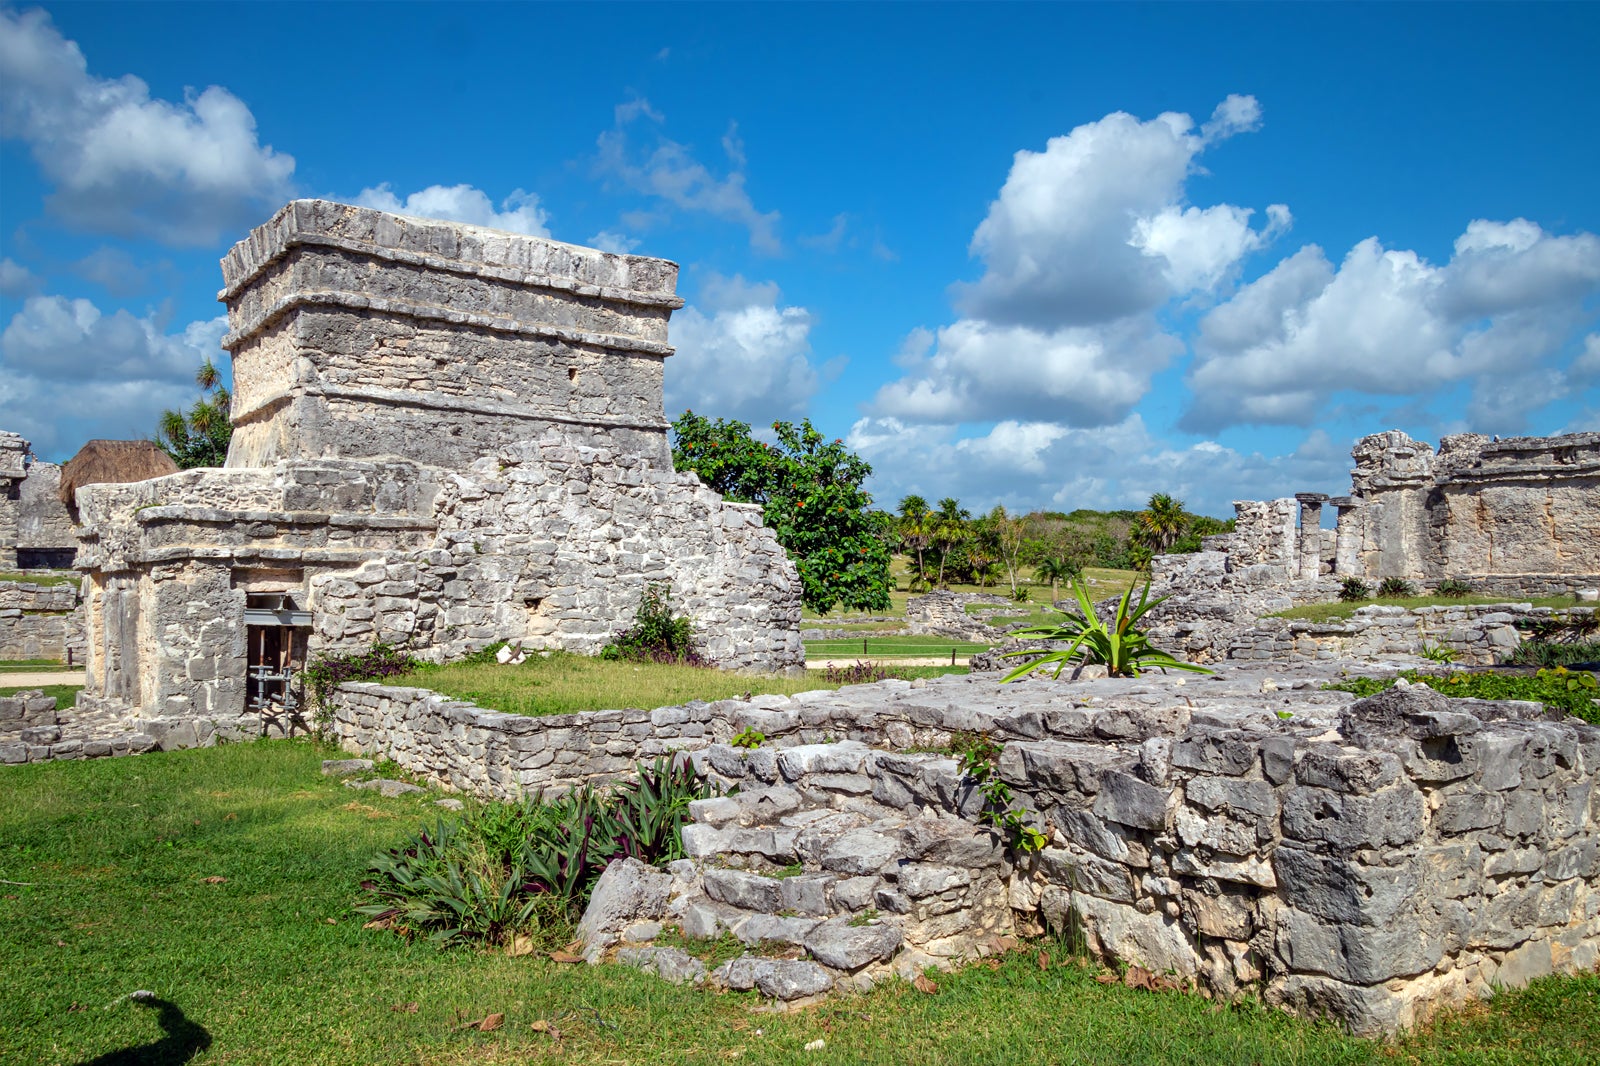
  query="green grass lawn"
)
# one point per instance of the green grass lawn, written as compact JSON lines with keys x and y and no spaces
{"x":66,"y":695}
{"x":1332,"y":612}
{"x":271,"y":966}
{"x":32,"y":664}
{"x":564,"y":683}
{"x":894,"y":646}
{"x":33,"y":577}
{"x":1101,"y":582}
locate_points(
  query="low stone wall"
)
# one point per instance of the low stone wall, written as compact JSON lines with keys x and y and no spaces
{"x":1477,"y":635}
{"x":1370,"y":860}
{"x":944,"y":614}
{"x":40,"y":621}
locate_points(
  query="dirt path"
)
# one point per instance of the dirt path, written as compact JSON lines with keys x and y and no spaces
{"x":40,"y":678}
{"x":823,"y":664}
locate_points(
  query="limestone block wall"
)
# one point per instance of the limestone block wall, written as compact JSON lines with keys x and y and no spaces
{"x":13,"y":449}
{"x":357,"y":333}
{"x":1494,"y":512}
{"x":44,"y":528}
{"x":1266,"y":534}
{"x":40,"y":621}
{"x":944,"y":613}
{"x":1370,"y":860}
{"x":556,"y":544}
{"x":1478,"y":634}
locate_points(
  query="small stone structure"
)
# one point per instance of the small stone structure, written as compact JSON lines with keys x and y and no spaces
{"x":943,"y":613}
{"x":444,"y":436}
{"x":35,"y":530}
{"x":1518,"y":517}
{"x":1371,"y":859}
{"x":39,"y":621}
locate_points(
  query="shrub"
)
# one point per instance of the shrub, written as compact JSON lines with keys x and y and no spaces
{"x":1120,"y":647}
{"x":1544,"y":653}
{"x":1353,"y":590}
{"x":1453,"y":587}
{"x":380,"y":661}
{"x":1437,"y":653}
{"x":526,"y":868}
{"x":1394,"y":588}
{"x":1021,"y":595}
{"x":655,"y":636}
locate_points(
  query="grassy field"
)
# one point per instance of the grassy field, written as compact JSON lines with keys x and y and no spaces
{"x":222,"y":880}
{"x":33,"y":577}
{"x":1101,"y":583}
{"x":32,"y":664}
{"x":895,"y":646}
{"x":1330,"y":612}
{"x":66,"y":695}
{"x":564,"y":683}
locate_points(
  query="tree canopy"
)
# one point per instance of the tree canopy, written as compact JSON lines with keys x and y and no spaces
{"x":199,"y":437}
{"x":810,"y":494}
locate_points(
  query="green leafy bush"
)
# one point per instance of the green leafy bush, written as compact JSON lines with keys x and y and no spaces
{"x":1394,"y":588}
{"x":1354,"y":590}
{"x":1437,"y":653}
{"x":378,"y":662}
{"x":980,"y":759}
{"x":1453,"y":587}
{"x":1573,"y":692}
{"x":1545,"y":653}
{"x":656,"y":636}
{"x":526,"y":868}
{"x":1120,"y":647}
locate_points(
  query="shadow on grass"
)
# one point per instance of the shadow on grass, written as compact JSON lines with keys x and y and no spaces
{"x":183,"y":1040}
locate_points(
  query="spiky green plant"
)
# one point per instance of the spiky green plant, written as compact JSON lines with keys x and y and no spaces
{"x":1121,"y":647}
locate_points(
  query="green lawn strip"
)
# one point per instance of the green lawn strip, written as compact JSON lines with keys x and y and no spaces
{"x":898,"y":646}
{"x":1102,"y":583}
{"x":118,"y":850}
{"x":1333,"y":612}
{"x":561,"y":684}
{"x":31,"y":578}
{"x":66,"y":695}
{"x":33,"y":664}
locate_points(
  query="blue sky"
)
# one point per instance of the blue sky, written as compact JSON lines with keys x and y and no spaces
{"x":1051,"y":255}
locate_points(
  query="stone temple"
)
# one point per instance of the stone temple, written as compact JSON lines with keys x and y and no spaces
{"x":444,"y":436}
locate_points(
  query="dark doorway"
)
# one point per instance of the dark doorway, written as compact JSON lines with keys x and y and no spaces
{"x":275,"y":632}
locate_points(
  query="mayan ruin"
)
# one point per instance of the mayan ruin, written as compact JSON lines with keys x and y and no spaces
{"x":740,"y":561}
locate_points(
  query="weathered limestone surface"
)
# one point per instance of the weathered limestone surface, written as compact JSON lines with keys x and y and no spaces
{"x":40,"y":621}
{"x":35,"y":529}
{"x":1519,"y":517}
{"x":13,"y":450}
{"x":1476,"y":634}
{"x":356,"y":333}
{"x":1372,"y":860}
{"x":444,"y":436}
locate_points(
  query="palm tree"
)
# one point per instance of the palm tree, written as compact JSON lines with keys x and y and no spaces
{"x":1161,"y":524}
{"x":1056,"y":569}
{"x":915,"y":527}
{"x":949,"y":529}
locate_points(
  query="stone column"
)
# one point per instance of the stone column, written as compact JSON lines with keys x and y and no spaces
{"x":1347,"y":537}
{"x":1310,"y":533}
{"x":12,"y":471}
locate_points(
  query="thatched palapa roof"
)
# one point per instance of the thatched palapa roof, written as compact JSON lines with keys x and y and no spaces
{"x":112,"y":462}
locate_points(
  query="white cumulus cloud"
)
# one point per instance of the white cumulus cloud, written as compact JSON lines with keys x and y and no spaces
{"x":741,"y":354}
{"x":1387,"y":322}
{"x":517,"y":213}
{"x":121,"y":162}
{"x":69,"y":372}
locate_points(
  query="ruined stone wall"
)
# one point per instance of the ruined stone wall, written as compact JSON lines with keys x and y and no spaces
{"x":552,"y":545}
{"x":357,"y":333}
{"x":40,"y":622}
{"x":13,"y":449}
{"x":43,"y":524}
{"x":1513,"y":515}
{"x":1477,"y":634}
{"x":1370,"y":860}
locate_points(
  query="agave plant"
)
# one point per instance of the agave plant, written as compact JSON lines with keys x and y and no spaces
{"x":1120,"y":647}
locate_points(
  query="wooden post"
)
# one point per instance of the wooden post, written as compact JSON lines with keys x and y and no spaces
{"x":952,"y":656}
